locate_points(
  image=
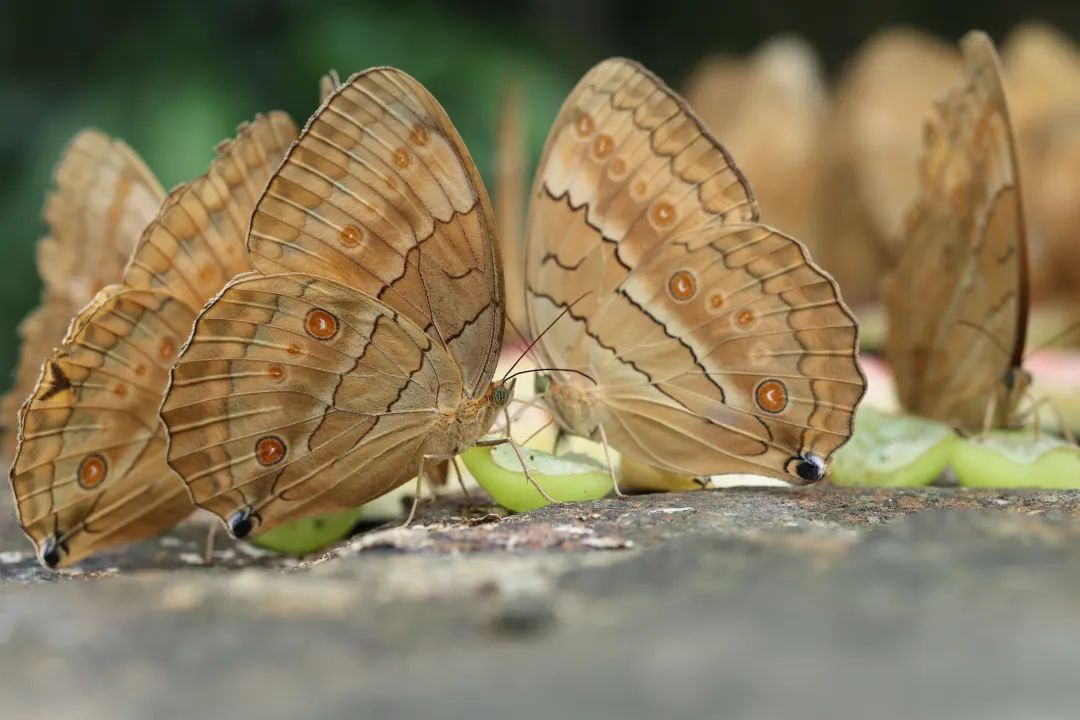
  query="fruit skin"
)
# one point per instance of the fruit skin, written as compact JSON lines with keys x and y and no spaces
{"x":1013,"y":459}
{"x":635,"y":476}
{"x":565,"y":480}
{"x":893,"y":451}
{"x":302,"y":537}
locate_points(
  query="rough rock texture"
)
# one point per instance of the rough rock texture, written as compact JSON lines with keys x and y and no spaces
{"x":764,"y":603}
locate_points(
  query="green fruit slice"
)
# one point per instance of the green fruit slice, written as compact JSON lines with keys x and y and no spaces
{"x":893,"y":451}
{"x":1014,"y":459}
{"x":309,"y":535}
{"x":498,"y":470}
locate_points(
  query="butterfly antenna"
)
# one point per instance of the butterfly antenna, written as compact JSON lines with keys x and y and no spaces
{"x":979,"y":328}
{"x":550,"y":325}
{"x":1054,"y":339}
{"x":582,"y":373}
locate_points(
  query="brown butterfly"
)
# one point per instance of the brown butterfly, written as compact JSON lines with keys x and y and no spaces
{"x":715,"y":344}
{"x":90,"y":468}
{"x":958,"y":299}
{"x":367,"y":340}
{"x":104,"y":197}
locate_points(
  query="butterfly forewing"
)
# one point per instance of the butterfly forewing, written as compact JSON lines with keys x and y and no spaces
{"x":367,"y":339}
{"x":716,"y":345}
{"x":381,"y":195}
{"x":196,"y":243}
{"x":958,"y":299}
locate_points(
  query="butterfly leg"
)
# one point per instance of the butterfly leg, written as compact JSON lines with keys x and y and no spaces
{"x":1063,"y":426}
{"x":208,"y":552}
{"x":460,"y":479}
{"x":988,"y":417}
{"x":524,"y":466}
{"x":416,"y":495}
{"x":538,"y":430}
{"x":607,"y":458}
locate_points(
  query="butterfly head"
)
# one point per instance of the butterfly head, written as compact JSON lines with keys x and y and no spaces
{"x":502,"y":392}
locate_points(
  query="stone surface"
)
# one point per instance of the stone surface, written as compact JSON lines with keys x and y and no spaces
{"x":756,"y":603}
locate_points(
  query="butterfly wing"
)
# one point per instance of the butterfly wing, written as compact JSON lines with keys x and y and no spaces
{"x":104,"y":196}
{"x":97,"y":399}
{"x":90,"y":469}
{"x":381,"y":195}
{"x":717,"y":346}
{"x":321,"y":384}
{"x":298,"y":395}
{"x":958,"y":299}
{"x":196,"y":243}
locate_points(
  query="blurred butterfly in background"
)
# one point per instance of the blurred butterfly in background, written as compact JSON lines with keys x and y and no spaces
{"x":715,"y":343}
{"x":958,"y":299}
{"x":90,"y":469}
{"x":104,"y":197}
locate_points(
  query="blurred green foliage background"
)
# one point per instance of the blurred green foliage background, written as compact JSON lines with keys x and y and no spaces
{"x":173,"y":79}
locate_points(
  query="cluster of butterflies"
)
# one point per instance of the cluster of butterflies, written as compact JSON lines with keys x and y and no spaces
{"x":298,"y":330}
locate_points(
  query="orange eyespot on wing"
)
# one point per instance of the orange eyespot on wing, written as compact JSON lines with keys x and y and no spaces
{"x":320,"y":324}
{"x":350,"y":236}
{"x":745,"y":319}
{"x":664,"y":213}
{"x":92,"y":471}
{"x":270,"y":450}
{"x":682,"y":285}
{"x":771,"y":396}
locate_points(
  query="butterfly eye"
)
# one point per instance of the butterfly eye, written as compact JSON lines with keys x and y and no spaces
{"x":500,"y":396}
{"x":92,"y":471}
{"x":241,"y":523}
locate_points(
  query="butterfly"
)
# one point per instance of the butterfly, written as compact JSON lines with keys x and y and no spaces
{"x":90,"y":469}
{"x":958,"y":298}
{"x":104,"y":196}
{"x":366,"y":341}
{"x":715,"y":344}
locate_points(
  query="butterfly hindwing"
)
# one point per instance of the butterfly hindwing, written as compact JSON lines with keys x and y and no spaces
{"x":343,"y":388}
{"x":90,"y":469}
